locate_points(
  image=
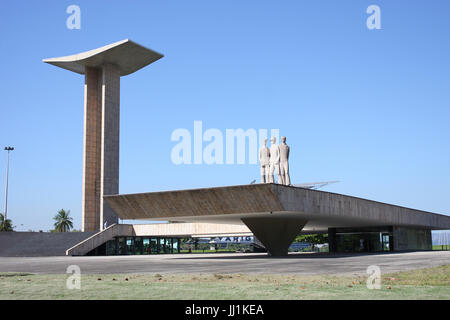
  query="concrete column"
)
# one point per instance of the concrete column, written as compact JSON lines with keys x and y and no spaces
{"x":332,"y":245}
{"x":109,"y":140}
{"x":275,"y":233}
{"x":90,"y":210}
{"x":101,"y":145}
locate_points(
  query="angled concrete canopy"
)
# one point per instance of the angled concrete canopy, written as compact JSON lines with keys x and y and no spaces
{"x":274,"y":213}
{"x":231,"y":204}
{"x":103,"y":68}
{"x":127,"y":55}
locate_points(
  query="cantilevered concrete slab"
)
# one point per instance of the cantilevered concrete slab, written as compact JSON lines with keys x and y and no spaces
{"x":103,"y":68}
{"x":274,"y":213}
{"x":127,"y":55}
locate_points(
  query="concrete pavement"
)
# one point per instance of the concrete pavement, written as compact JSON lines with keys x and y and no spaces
{"x":244,"y":263}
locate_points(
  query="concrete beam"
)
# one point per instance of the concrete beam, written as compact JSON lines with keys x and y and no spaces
{"x":321,"y":209}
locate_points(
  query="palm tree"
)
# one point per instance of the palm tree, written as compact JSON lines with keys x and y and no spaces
{"x":5,"y":225}
{"x":63,"y":223}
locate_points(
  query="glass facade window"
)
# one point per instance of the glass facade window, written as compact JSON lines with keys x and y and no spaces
{"x":169,"y":247}
{"x":111,"y":247}
{"x":386,"y":241}
{"x":162,"y":245}
{"x":138,"y":245}
{"x":363,"y":242}
{"x":121,"y":246}
{"x":130,"y":245}
{"x":146,"y":245}
{"x":176,"y":245}
{"x":154,"y":246}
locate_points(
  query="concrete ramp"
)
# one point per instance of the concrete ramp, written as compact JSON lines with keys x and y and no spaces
{"x":99,"y":238}
{"x":34,"y":244}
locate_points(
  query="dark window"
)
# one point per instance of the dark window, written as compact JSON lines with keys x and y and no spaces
{"x":154,"y":246}
{"x":111,"y":247}
{"x":146,"y":245}
{"x":130,"y":245}
{"x":138,"y":245}
{"x":121,"y":246}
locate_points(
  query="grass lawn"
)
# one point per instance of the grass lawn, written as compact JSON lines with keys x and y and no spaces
{"x":432,"y":283}
{"x":441,"y":247}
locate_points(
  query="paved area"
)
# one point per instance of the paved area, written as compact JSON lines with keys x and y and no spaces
{"x":229,"y":263}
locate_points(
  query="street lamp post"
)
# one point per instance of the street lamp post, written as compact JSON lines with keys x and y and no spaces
{"x":6,"y":190}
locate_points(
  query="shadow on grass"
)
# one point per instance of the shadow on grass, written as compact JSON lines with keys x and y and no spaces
{"x":14,"y":274}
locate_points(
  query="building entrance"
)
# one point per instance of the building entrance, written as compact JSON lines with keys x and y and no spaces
{"x":362,"y":240}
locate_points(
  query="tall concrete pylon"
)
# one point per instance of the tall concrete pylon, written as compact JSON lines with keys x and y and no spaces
{"x":102,"y":69}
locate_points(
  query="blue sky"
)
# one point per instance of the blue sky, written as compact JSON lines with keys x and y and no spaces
{"x":370,"y":108}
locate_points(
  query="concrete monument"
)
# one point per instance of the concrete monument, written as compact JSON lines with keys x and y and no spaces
{"x":273,"y":213}
{"x":264,"y":158}
{"x":102,"y":69}
{"x":284,"y":162}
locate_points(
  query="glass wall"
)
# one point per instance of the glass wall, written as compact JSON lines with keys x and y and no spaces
{"x":169,"y":244}
{"x":176,"y":245}
{"x":138,"y":245}
{"x":146,"y":245}
{"x":111,"y":247}
{"x":121,"y":246}
{"x":162,"y":245}
{"x":363,"y":242}
{"x":130,"y":245}
{"x":386,"y":241}
{"x":154,"y":245}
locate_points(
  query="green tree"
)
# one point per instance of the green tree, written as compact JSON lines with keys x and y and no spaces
{"x":312,"y":238}
{"x":5,"y":225}
{"x":63,"y":222}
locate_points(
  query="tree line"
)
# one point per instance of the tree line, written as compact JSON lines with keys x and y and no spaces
{"x":63,"y":222}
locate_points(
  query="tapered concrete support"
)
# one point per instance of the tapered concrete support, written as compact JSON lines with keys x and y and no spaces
{"x":110,"y":140}
{"x":101,"y":145}
{"x":90,"y":211}
{"x":332,"y":245}
{"x":276,"y":233}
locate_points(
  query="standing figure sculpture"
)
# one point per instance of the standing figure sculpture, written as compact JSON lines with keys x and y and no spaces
{"x":274,"y":160}
{"x":284,"y":162}
{"x":264,"y":157}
